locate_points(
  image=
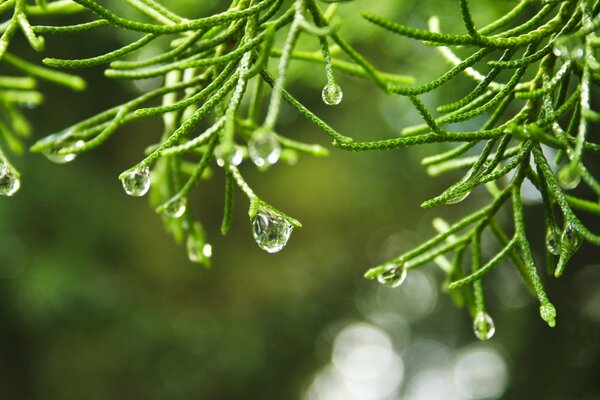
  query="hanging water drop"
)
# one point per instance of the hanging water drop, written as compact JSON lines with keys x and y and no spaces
{"x":393,"y":275}
{"x":571,"y":238}
{"x":176,"y":208}
{"x":234,"y":157}
{"x":136,"y":182}
{"x":483,"y":326}
{"x":553,"y":240}
{"x":271,"y":231}
{"x":264,"y":148}
{"x":9,"y":182}
{"x":332,"y":94}
{"x":568,"y":177}
{"x":457,"y":198}
{"x":197,"y":251}
{"x":57,"y":157}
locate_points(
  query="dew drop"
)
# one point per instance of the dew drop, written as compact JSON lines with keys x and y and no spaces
{"x":332,"y":94}
{"x":571,"y":238}
{"x":175,"y":209}
{"x":234,"y":157}
{"x":458,"y":198}
{"x":560,"y":50}
{"x":569,"y":47}
{"x":197,"y":251}
{"x":136,"y":182}
{"x":553,"y":240}
{"x":271,"y":231}
{"x":483,"y":326}
{"x":55,"y":156}
{"x":568,"y":177}
{"x":263,"y":148}
{"x":9,"y":182}
{"x":393,"y":275}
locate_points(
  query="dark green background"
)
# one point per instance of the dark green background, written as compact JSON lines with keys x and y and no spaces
{"x":98,"y":302}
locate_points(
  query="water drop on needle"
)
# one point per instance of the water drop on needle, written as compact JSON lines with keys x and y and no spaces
{"x":483,"y":326}
{"x":9,"y":183}
{"x":568,"y":177}
{"x":137,"y":182}
{"x":271,"y":231}
{"x":393,"y":275}
{"x":55,"y":156}
{"x":264,"y":148}
{"x":175,"y":209}
{"x":332,"y":94}
{"x":234,"y":157}
{"x":553,"y":241}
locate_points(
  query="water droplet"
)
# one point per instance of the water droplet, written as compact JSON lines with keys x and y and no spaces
{"x":568,"y":177}
{"x":569,"y":47}
{"x":175,"y":209}
{"x":270,"y":230}
{"x":483,"y":326}
{"x":393,"y":275}
{"x":332,"y":94}
{"x":9,"y":182}
{"x":55,"y":156}
{"x":548,"y":314}
{"x":571,"y":238}
{"x":553,"y":240}
{"x":137,"y":182}
{"x":263,"y":148}
{"x":458,"y":198}
{"x":234,"y":157}
{"x":198,"y":251}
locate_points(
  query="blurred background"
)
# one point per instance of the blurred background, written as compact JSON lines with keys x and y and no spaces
{"x":98,"y":302}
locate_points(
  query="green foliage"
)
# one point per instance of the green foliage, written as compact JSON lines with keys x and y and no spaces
{"x":19,"y":91}
{"x":532,"y":79}
{"x":541,"y":108}
{"x":213,"y":78}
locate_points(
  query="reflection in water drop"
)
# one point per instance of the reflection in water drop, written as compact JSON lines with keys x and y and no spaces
{"x":9,"y":182}
{"x":332,"y":94}
{"x":136,"y":182}
{"x":393,"y":275}
{"x":480,"y":373}
{"x":483,"y":326}
{"x":271,"y":231}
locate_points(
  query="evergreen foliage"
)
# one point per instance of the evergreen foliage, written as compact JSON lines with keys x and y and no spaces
{"x":531,"y":97}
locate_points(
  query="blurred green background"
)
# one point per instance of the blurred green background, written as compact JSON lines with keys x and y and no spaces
{"x":98,"y":302}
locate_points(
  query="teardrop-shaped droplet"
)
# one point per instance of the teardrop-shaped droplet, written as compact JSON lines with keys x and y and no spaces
{"x":137,"y":182}
{"x":332,"y":94}
{"x":271,"y":231}
{"x":9,"y":182}
{"x":571,"y":238}
{"x":393,"y":275}
{"x":568,"y":177}
{"x":264,"y":148}
{"x":458,"y":198}
{"x":553,"y":240}
{"x":197,"y":251}
{"x":175,"y":209}
{"x":483,"y":326}
{"x":55,"y":156}
{"x":234,"y":157}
